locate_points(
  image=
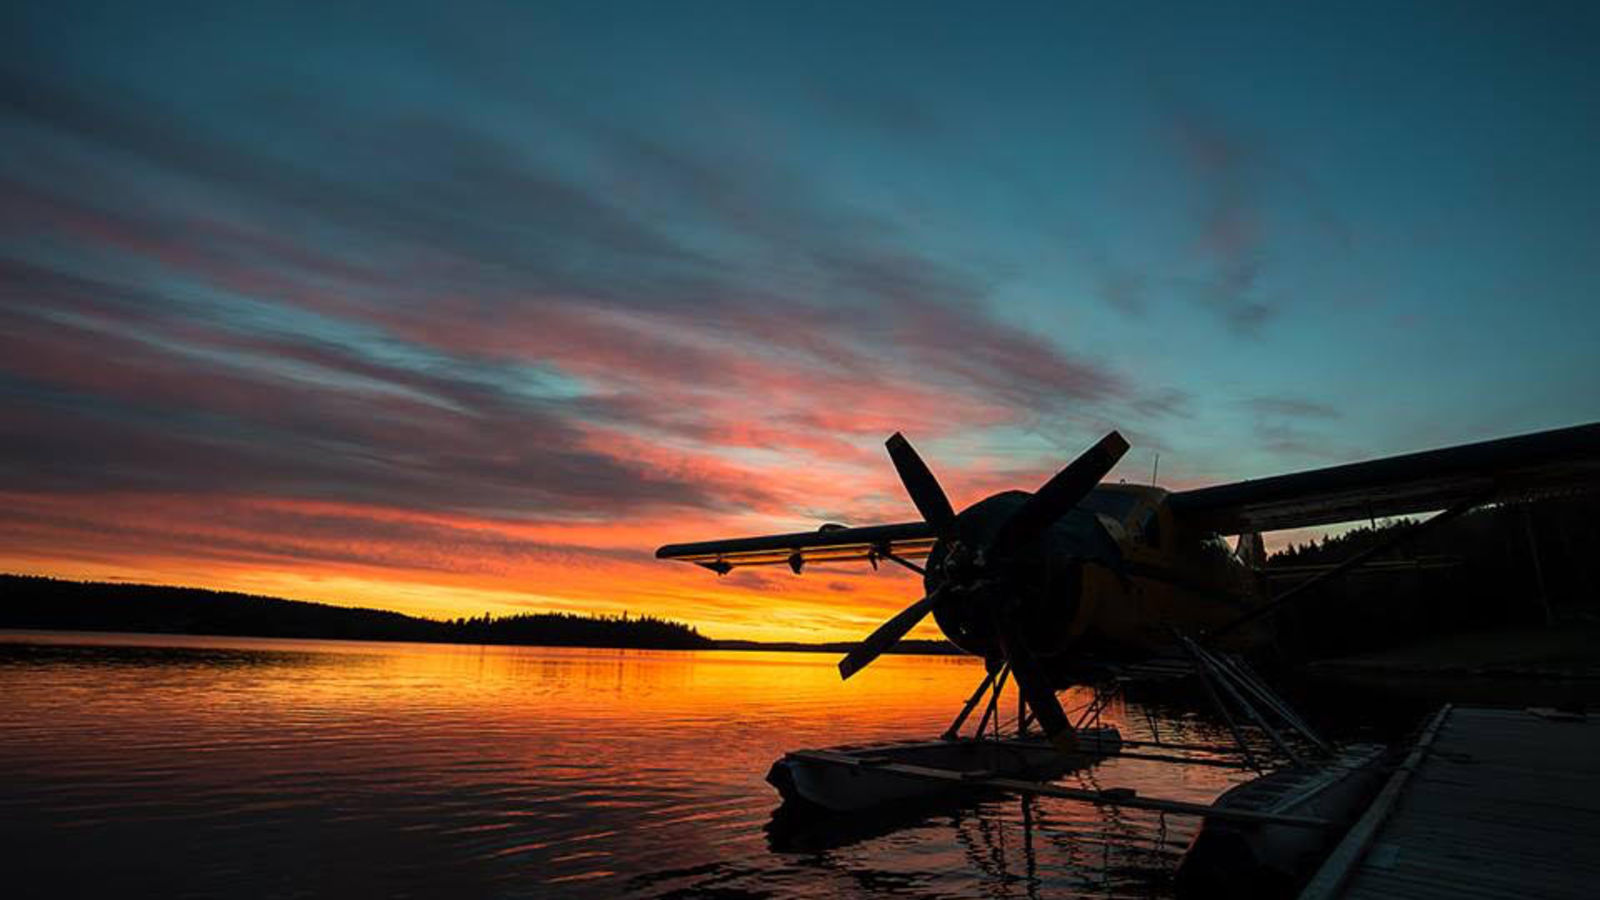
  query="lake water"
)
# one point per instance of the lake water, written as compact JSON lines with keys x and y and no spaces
{"x":192,"y":766}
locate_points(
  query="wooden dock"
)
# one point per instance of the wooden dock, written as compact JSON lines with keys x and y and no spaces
{"x":1489,"y":803}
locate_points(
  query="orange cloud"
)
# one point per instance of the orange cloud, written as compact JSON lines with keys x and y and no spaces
{"x":432,"y":565}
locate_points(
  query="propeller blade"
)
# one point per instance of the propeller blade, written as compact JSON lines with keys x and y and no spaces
{"x":921,"y":485}
{"x":1061,"y":493}
{"x":1036,"y":690}
{"x":886,"y":636}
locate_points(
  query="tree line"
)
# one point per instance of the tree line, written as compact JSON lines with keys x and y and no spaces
{"x":1497,"y":566}
{"x":37,"y":602}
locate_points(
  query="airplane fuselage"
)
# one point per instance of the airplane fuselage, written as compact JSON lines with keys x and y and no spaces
{"x":1109,"y":582}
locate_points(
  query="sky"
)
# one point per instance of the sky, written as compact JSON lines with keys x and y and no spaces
{"x":467,"y":307}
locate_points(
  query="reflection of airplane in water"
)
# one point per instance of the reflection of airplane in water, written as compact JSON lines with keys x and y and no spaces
{"x":1082,"y":583}
{"x":1007,"y":843}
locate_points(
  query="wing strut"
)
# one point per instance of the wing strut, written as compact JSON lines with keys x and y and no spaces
{"x":1389,"y":543}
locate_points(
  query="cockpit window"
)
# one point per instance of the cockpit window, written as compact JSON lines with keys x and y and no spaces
{"x":1115,"y":504}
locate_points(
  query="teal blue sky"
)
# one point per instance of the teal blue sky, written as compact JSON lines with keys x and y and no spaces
{"x":556,"y":262}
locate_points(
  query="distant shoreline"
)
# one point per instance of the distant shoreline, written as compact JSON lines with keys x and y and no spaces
{"x":39,"y":603}
{"x":908,"y":647}
{"x":917,"y":648}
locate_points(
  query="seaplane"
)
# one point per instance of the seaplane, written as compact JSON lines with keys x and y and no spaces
{"x":1080,"y":580}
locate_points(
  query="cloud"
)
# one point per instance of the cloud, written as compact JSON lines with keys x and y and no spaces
{"x":1165,"y":402}
{"x":1125,"y":290}
{"x":1230,"y":221}
{"x":456,"y":331}
{"x":1291,"y":426}
{"x":1285,"y":440}
{"x":1293,"y":407}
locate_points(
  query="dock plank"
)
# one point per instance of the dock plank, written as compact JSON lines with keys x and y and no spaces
{"x":1494,"y":803}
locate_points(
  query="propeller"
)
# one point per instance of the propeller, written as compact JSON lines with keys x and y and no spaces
{"x":924,"y":489}
{"x":1058,"y":496}
{"x":886,"y":635}
{"x":930,"y":500}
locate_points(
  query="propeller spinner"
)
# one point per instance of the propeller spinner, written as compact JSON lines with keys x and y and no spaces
{"x":988,"y":571}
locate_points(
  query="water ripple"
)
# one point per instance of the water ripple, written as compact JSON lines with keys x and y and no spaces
{"x":176,"y":766}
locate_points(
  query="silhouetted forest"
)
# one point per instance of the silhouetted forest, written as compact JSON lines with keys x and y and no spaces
{"x":1477,"y":572}
{"x":49,"y":603}
{"x":567,"y":630}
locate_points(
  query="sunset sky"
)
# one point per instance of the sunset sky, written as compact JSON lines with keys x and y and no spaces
{"x":464,"y":307}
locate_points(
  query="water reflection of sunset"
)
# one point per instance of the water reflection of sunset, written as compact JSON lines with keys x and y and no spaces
{"x":504,"y":770}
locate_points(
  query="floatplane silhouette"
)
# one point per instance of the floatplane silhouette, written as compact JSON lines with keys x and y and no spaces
{"x":1085,"y":583}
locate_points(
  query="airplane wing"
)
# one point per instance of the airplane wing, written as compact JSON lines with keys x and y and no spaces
{"x":830,"y":543}
{"x":1566,"y":460}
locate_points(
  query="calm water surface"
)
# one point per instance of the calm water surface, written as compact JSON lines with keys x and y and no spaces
{"x":188,"y":766}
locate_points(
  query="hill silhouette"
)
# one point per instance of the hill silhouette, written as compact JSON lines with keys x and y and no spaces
{"x":37,"y":602}
{"x":50,"y":603}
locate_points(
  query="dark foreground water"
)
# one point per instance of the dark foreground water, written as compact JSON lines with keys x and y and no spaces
{"x":138,"y":765}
